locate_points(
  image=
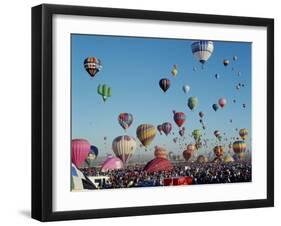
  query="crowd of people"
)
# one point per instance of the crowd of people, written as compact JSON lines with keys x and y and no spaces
{"x":201,"y":173}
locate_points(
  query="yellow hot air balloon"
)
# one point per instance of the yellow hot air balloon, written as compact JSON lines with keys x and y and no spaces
{"x":146,"y":133}
{"x":243,"y":133}
{"x":228,"y":159}
{"x":174,"y":70}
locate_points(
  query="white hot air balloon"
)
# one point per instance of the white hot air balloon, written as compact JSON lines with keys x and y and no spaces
{"x":124,"y":147}
{"x":202,"y":50}
{"x":186,"y":88}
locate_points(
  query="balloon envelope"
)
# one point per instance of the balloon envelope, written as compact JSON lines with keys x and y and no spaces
{"x":79,"y":151}
{"x":167,"y":127}
{"x":125,"y":120}
{"x":112,"y":163}
{"x":146,"y":133}
{"x":202,"y":50}
{"x":124,"y":147}
{"x":92,"y":65}
{"x":158,"y":164}
{"x":164,"y":84}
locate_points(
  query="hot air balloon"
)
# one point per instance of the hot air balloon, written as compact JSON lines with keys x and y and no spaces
{"x":239,"y":147}
{"x":92,"y":65}
{"x":146,"y":133}
{"x":218,"y":151}
{"x":181,"y":132}
{"x":179,"y":118}
{"x":225,"y":62}
{"x":159,"y":128}
{"x":196,"y":134}
{"x":239,"y":73}
{"x":217,"y":76}
{"x":112,"y":163}
{"x":218,"y":135}
{"x":175,"y":140}
{"x":186,"y":88}
{"x":92,"y":156}
{"x":105,"y":91}
{"x":243,"y":133}
{"x":215,"y":107}
{"x":235,"y":58}
{"x":158,"y":164}
{"x":164,"y":84}
{"x":80,"y":149}
{"x":167,"y":128}
{"x":228,"y":159}
{"x":174,"y":71}
{"x":125,"y":120}
{"x":201,"y":114}
{"x":201,"y":159}
{"x":202,"y":50}
{"x":189,"y":151}
{"x":160,"y":152}
{"x":222,"y":102}
{"x":192,"y":102}
{"x":244,"y":105}
{"x":124,"y":147}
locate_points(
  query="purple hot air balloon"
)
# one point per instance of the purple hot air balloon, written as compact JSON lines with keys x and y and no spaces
{"x":167,"y":127}
{"x":80,"y":149}
{"x":112,"y":163}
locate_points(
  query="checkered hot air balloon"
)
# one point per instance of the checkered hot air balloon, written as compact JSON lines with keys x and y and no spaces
{"x":92,"y":65}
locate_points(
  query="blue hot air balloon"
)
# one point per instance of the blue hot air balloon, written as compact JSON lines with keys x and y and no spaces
{"x":202,"y":50}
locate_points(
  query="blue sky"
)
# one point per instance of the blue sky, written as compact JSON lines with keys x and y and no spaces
{"x":132,"y":67}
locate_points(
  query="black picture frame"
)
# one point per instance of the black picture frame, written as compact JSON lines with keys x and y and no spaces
{"x":42,"y":196}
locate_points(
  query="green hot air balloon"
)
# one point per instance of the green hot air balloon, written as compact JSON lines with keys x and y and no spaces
{"x":192,"y":102}
{"x":105,"y":91}
{"x":196,"y":134}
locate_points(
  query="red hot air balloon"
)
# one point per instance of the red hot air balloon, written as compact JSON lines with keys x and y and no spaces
{"x":158,"y":164}
{"x":167,"y":127}
{"x":80,"y":149}
{"x":222,"y":102}
{"x":189,"y":151}
{"x":179,"y":118}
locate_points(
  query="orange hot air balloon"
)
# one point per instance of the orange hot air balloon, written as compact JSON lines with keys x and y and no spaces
{"x":160,"y":152}
{"x":219,"y":151}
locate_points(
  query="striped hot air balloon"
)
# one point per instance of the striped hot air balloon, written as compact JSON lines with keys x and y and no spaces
{"x":124,"y":147}
{"x":243,"y":133}
{"x":166,"y":128}
{"x":179,"y":118}
{"x":125,"y":120}
{"x":239,"y":147}
{"x":164,"y":84}
{"x":160,"y":152}
{"x":80,"y":149}
{"x":92,"y":65}
{"x":202,"y":50}
{"x":146,"y":133}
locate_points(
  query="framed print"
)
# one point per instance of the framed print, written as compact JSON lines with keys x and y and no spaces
{"x":146,"y":112}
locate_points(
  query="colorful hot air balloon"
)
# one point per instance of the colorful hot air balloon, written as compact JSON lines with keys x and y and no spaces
{"x":228,"y":159}
{"x":218,"y":135}
{"x":218,"y":151}
{"x":167,"y":128}
{"x":146,"y":133}
{"x":186,"y":88}
{"x":105,"y":91}
{"x":160,"y":152}
{"x":202,"y":50}
{"x":192,"y":102}
{"x":179,"y":118}
{"x":243,"y":133}
{"x":159,"y":128}
{"x":201,"y":159}
{"x":125,"y":120}
{"x":174,"y":71}
{"x":80,"y":149}
{"x":164,"y":84}
{"x":92,"y":156}
{"x":124,"y":147}
{"x":239,"y":147}
{"x":201,"y":114}
{"x":92,"y":65}
{"x":215,"y":107}
{"x":222,"y":102}
{"x":225,"y":62}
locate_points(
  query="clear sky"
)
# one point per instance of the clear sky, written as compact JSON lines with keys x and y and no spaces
{"x":132,"y":67}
